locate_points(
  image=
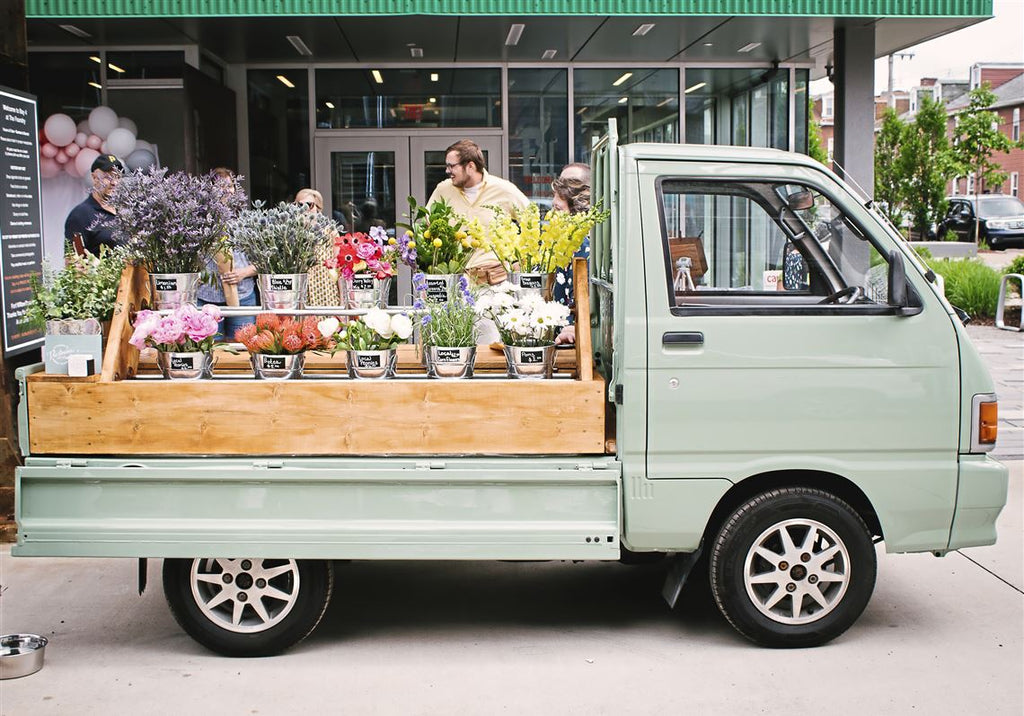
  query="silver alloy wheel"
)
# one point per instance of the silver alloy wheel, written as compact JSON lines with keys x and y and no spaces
{"x":245,"y":596}
{"x":797,"y":571}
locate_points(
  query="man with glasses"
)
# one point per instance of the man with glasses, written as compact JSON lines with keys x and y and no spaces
{"x":92,"y":219}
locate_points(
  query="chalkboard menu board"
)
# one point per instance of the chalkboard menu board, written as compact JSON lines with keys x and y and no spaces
{"x":21,"y":220}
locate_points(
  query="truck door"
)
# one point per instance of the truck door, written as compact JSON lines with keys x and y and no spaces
{"x":772,"y":347}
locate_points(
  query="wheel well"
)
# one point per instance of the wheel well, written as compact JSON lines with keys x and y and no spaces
{"x":827,"y":481}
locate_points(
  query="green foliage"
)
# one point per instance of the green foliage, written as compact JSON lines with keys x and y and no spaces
{"x":890,"y":182}
{"x":85,"y":288}
{"x":970,"y":285}
{"x":977,"y":138}
{"x":926,"y":166}
{"x":451,"y":324}
{"x":815,"y":145}
{"x":1016,"y":266}
{"x":286,"y":239}
{"x":923,"y":252}
{"x":435,"y":241}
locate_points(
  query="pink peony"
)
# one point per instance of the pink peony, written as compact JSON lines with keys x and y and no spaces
{"x":145,"y":323}
{"x":169,"y":330}
{"x":198,"y":325}
{"x":213,"y":310}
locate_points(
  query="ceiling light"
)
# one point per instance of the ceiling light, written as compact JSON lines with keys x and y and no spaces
{"x":749,"y":47}
{"x":286,"y":82}
{"x":329,"y":105}
{"x":622,"y":79}
{"x":94,"y":84}
{"x":581,"y":110}
{"x":549,"y":54}
{"x":96,"y":59}
{"x":695,"y":87}
{"x":76,"y":31}
{"x":624,"y":100}
{"x":514,"y":33}
{"x":663,"y":102}
{"x":416,"y":52}
{"x":434,"y":77}
{"x":433,"y":100}
{"x":376,"y":77}
{"x":709,"y":44}
{"x":643,"y":29}
{"x":299,"y":45}
{"x":114,"y":67}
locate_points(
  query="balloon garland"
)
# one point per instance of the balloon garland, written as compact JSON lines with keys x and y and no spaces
{"x":70,"y":147}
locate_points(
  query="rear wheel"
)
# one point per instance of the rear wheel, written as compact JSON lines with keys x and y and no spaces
{"x":792,"y":567}
{"x":247,"y":607}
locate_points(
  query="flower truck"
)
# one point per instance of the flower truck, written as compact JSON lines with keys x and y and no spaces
{"x":765,"y":381}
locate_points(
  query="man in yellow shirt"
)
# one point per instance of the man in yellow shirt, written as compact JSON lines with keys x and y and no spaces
{"x":470,"y":189}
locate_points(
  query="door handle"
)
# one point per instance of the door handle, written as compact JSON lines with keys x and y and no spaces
{"x":686,"y":338}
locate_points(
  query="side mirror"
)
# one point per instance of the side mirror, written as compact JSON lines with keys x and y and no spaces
{"x":897,"y":280}
{"x":800,"y":200}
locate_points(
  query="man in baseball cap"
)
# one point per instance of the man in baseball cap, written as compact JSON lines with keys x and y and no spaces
{"x":91,"y":219}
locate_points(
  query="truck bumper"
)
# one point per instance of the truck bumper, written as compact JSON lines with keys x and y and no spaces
{"x":981,"y":496}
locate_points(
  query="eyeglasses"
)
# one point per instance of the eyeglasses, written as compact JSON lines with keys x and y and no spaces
{"x":452,"y":166}
{"x":308,"y":204}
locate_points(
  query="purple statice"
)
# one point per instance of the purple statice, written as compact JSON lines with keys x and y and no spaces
{"x":419,"y":281}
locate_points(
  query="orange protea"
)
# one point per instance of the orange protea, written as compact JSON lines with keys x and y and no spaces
{"x":262,"y":342}
{"x":268,"y":321}
{"x":292,"y":343}
{"x":245,"y":333}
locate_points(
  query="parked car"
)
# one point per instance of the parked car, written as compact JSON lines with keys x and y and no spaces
{"x":1000,"y":219}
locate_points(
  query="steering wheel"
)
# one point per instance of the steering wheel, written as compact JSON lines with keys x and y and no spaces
{"x":850,"y":293}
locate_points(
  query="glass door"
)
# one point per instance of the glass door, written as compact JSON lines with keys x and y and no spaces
{"x":364,"y":180}
{"x":426,"y":156}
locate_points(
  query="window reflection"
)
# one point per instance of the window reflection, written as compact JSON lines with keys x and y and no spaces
{"x":538,"y":134}
{"x":278,"y":134}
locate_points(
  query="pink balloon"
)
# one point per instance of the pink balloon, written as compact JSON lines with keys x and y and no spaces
{"x":84,"y":160}
{"x":48,"y":150}
{"x":62,"y":157}
{"x":72,"y":169}
{"x":80,"y":138}
{"x":48,"y":168}
{"x":94,"y":142}
{"x":72,"y":149}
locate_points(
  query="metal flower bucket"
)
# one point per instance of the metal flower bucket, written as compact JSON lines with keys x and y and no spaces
{"x":531,"y":362}
{"x":283,"y":290}
{"x":372,"y":365}
{"x":364,"y":290}
{"x":450,"y":363}
{"x":185,"y":365}
{"x":171,"y":290}
{"x":266,"y":366}
{"x":542,"y":284}
{"x":438,"y":286}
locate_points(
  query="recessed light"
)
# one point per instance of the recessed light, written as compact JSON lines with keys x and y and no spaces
{"x":376,"y":77}
{"x":622,"y":79}
{"x":432,"y":100}
{"x":695,"y":87}
{"x":514,"y":33}
{"x":749,"y":47}
{"x":299,"y":45}
{"x":115,"y":68}
{"x":624,"y":100}
{"x":434,"y":77}
{"x":549,"y":54}
{"x":643,"y":29}
{"x":663,"y":102}
{"x":76,"y":31}
{"x":709,"y":44}
{"x":94,"y":84}
{"x":329,"y":105}
{"x":581,"y":110}
{"x":416,"y":52}
{"x":96,"y":59}
{"x":286,"y":82}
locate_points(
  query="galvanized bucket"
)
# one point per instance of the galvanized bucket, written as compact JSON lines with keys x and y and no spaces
{"x":364,"y":290}
{"x":450,"y":363}
{"x":185,"y":365}
{"x":530,"y":362}
{"x":541,"y":284}
{"x":267,"y":366}
{"x":372,"y":365}
{"x":171,"y":290}
{"x":283,"y":290}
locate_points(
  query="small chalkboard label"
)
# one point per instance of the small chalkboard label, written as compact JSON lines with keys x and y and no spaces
{"x":531,"y":280}
{"x":368,"y":360}
{"x":166,"y":284}
{"x":447,"y":355}
{"x":532,"y":356}
{"x":282,"y":283}
{"x":274,"y":362}
{"x":437,"y":289}
{"x":362,"y":282}
{"x":183,"y":362}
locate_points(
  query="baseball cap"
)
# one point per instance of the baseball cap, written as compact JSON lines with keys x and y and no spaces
{"x":106,"y":163}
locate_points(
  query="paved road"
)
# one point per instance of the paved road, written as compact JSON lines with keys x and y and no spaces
{"x":940,"y":636}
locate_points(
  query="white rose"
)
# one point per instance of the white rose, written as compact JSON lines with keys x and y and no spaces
{"x":401,"y":325}
{"x":378,"y":321}
{"x":329,"y":326}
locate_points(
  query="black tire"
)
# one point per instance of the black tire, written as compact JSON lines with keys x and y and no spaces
{"x":801,"y":594}
{"x":248,"y":607}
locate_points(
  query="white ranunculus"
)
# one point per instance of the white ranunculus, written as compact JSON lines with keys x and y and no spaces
{"x":328,"y":326}
{"x":401,"y":325}
{"x":379,"y":321}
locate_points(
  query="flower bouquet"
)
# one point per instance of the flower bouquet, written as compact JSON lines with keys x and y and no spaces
{"x":436,"y":244}
{"x":528,"y":325}
{"x":365,"y":265}
{"x":184,"y":339}
{"x":282,"y":243}
{"x":448,"y":330}
{"x":369,"y":341}
{"x":277,"y":346}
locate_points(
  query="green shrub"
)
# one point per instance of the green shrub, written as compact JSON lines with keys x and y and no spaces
{"x":970,"y":285}
{"x":923,"y":252}
{"x":1016,"y":266}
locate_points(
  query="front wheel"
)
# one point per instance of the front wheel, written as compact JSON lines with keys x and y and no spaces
{"x":247,"y":607}
{"x":792,"y":567}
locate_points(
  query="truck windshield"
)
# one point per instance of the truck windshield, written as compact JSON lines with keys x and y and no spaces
{"x":991,"y":207}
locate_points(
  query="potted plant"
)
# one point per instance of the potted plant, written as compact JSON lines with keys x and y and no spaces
{"x":448,"y":330}
{"x":528,"y":325}
{"x":183,"y":338}
{"x":277,"y":346}
{"x":282,"y":243}
{"x":171,"y":224}
{"x":369,"y":342}
{"x":436,"y":244}
{"x":72,"y":305}
{"x":365,"y":264}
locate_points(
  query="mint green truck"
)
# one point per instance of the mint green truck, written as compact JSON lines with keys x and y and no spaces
{"x":779,"y":386}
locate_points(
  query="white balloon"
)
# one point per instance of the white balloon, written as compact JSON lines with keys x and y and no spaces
{"x":103,"y":148}
{"x":84,"y":160}
{"x":143,"y":144}
{"x":60,"y":129}
{"x":128,"y":124}
{"x":81,"y":138}
{"x":48,"y":168}
{"x":121,"y":142}
{"x":102,"y":121}
{"x":140,"y":159}
{"x":83,"y":127}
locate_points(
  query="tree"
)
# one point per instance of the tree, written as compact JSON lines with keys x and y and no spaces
{"x":976,"y":138}
{"x":815,"y":147}
{"x":926,"y":166}
{"x":889,"y":178}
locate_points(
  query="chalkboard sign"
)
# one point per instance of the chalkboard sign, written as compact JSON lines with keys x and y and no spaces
{"x":531,"y":280}
{"x":534,"y":356}
{"x":362,"y":282}
{"x":282,"y":283}
{"x":21,"y":219}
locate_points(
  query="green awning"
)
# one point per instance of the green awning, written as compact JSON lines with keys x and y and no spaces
{"x":650,"y":8}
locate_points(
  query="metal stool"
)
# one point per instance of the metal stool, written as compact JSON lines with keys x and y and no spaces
{"x":1001,"y":305}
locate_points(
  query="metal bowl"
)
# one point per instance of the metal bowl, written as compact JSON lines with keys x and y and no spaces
{"x":21,"y":655}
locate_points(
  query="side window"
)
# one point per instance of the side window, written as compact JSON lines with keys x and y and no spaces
{"x":763,"y":243}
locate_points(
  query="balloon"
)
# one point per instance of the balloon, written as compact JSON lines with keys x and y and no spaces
{"x":94,"y":142}
{"x":48,"y":168}
{"x":84,"y":160}
{"x":72,"y":169}
{"x":83,"y":127}
{"x":60,"y":129}
{"x":48,"y":150}
{"x":121,"y":142}
{"x":102,"y":121}
{"x":81,"y":138}
{"x":72,"y":150}
{"x":128,"y":124}
{"x":143,"y":144}
{"x":103,"y":148}
{"x":140,"y":159}
{"x":62,"y":157}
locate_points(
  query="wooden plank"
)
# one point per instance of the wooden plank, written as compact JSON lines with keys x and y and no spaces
{"x":120,"y":359}
{"x":581,"y":300}
{"x":317,"y":417}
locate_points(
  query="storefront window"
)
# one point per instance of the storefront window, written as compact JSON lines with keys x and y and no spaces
{"x":538,"y":132}
{"x":67,"y":82}
{"x":645,"y":103}
{"x":408,"y":97}
{"x":145,"y":65}
{"x":278,"y":133}
{"x":800,"y":108}
{"x":751,"y":106}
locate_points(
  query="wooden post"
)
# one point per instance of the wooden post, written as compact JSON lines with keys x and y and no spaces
{"x":120,"y":359}
{"x":581,"y":299}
